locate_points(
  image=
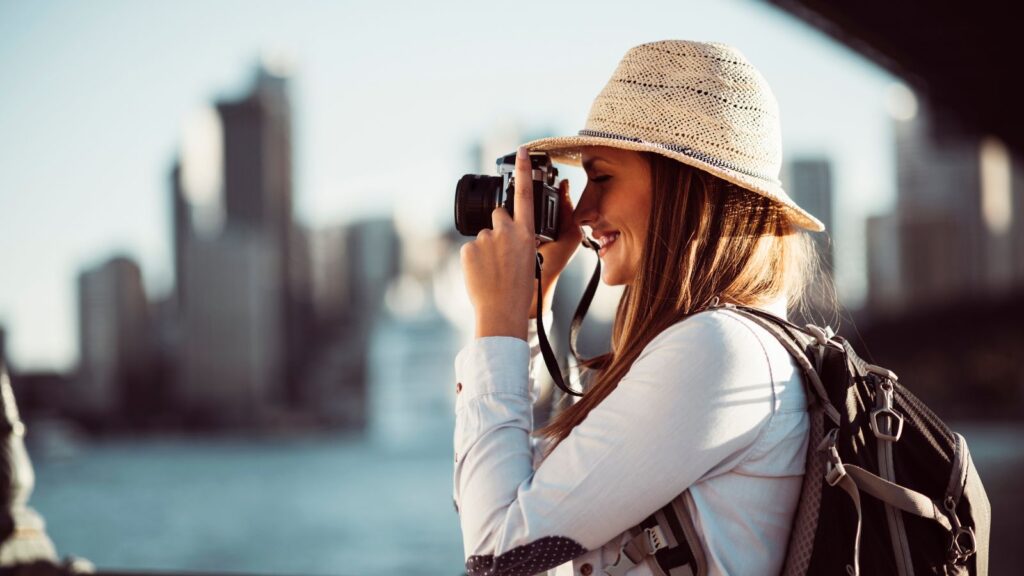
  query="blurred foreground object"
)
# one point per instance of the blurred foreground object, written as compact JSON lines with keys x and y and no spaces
{"x":25,"y":548}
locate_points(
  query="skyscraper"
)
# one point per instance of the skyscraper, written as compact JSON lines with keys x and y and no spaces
{"x":257,"y":132}
{"x":939,"y":204}
{"x":957,"y":224}
{"x":231,"y":352}
{"x":182,"y":229}
{"x":114,"y":339}
{"x":810,"y":186}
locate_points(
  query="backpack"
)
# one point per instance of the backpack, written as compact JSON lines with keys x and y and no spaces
{"x":888,"y":487}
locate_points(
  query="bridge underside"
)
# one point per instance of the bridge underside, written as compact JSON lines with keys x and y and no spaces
{"x":965,"y":58}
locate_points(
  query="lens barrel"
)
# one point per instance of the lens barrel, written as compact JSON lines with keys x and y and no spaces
{"x":476,"y":197}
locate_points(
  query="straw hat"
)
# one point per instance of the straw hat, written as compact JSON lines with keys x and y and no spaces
{"x":701,"y":103}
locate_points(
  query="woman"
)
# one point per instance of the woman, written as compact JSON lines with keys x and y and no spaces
{"x":682,"y":154}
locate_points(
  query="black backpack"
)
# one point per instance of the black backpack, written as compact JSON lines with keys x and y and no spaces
{"x":888,"y":487}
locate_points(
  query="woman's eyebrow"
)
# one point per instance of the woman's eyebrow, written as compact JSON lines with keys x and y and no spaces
{"x":589,"y":164}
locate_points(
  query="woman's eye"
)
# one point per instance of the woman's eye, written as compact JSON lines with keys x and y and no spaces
{"x":600,"y":179}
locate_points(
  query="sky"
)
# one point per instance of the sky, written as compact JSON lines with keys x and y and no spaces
{"x":388,"y":97}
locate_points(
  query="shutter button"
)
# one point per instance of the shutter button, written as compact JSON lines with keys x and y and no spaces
{"x":586,"y":569}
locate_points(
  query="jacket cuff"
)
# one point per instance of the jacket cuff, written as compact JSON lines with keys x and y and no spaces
{"x":492,"y":365}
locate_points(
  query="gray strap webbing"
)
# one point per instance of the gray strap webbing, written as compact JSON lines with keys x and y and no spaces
{"x":805,"y":523}
{"x":903,"y":498}
{"x":636,"y":550}
{"x":981,"y":512}
{"x":887,"y":470}
{"x":847,"y":484}
{"x":897,"y":530}
{"x":699,"y":566}
{"x":674,"y":529}
{"x":958,"y":475}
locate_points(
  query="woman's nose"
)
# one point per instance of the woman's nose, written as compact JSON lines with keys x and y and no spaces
{"x":586,"y":209}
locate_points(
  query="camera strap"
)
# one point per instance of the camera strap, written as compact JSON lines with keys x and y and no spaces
{"x":577,"y":320}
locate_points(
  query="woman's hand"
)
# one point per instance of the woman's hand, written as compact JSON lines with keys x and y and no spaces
{"x":499,"y":264}
{"x":557,"y":254}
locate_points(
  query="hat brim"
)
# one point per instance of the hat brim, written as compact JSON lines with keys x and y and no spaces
{"x":566,"y":149}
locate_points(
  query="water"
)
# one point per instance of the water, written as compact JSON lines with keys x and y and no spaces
{"x":326,"y":505}
{"x":375,"y":503}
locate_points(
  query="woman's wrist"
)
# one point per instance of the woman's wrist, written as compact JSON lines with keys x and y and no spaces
{"x":501,"y":325}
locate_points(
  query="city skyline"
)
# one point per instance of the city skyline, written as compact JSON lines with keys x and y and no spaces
{"x":84,"y":178}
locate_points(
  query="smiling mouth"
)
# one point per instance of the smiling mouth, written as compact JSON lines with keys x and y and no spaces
{"x":606,"y":241}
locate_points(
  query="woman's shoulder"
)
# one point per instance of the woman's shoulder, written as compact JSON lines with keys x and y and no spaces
{"x":725,"y":343}
{"x":710,"y":331}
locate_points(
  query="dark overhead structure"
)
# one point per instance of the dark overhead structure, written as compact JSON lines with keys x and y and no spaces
{"x":963,"y":57}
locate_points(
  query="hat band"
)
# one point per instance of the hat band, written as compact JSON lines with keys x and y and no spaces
{"x":695,"y":154}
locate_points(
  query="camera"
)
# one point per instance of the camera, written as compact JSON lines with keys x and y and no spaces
{"x":476,"y":196}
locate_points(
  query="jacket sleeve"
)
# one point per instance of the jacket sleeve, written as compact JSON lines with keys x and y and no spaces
{"x":691,"y":406}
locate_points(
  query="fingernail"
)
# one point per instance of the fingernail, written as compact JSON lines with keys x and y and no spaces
{"x":523,"y":153}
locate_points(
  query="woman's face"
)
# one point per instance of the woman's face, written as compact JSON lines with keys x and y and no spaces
{"x":616,"y":205}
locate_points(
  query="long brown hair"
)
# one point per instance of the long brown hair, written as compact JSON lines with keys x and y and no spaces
{"x":706,"y":237}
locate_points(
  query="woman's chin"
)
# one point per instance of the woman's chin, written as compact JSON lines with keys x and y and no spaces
{"x":611,"y":278}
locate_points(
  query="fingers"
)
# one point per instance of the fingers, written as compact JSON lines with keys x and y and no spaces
{"x":524,"y":190}
{"x":567,"y":226}
{"x":565,"y":207}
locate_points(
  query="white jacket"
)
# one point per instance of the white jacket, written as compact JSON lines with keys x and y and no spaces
{"x":714,"y":405}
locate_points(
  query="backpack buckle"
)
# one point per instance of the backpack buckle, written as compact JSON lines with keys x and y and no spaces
{"x":895,"y":422}
{"x":961,"y":550}
{"x":834,"y":470}
{"x":656,"y":538}
{"x":822,"y":335}
{"x":883,"y":373}
{"x":962,"y":543}
{"x":893,"y":428}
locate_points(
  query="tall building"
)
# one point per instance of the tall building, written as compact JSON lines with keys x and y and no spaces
{"x":885,"y":294}
{"x":257,"y":172}
{"x":114,"y":340}
{"x":939,"y":203}
{"x":329,"y":279}
{"x":181,"y":216}
{"x":810,"y":186}
{"x":353,"y":266}
{"x":957,"y":225}
{"x":373,"y":256}
{"x":231,"y":356}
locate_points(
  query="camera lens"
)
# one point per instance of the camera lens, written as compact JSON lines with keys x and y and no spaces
{"x":475,"y":198}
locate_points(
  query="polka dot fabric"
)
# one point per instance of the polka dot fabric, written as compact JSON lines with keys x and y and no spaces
{"x":527,"y":559}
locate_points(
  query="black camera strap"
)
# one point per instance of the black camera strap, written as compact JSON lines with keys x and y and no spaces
{"x":574,"y":327}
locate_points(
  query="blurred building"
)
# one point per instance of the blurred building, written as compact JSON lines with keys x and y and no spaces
{"x":809,"y":183}
{"x":114,"y":341}
{"x":329,"y":277}
{"x":243,"y":312}
{"x":257,"y":172}
{"x":956,"y":230}
{"x":182,"y":229}
{"x":231,"y":351}
{"x":885,"y":292}
{"x":373,"y":258}
{"x":352,"y":265}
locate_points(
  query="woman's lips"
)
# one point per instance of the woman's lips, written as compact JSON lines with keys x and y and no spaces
{"x":606,"y":242}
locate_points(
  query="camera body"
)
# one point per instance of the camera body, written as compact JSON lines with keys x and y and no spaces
{"x":476,"y":196}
